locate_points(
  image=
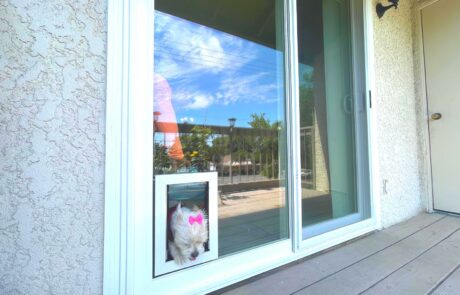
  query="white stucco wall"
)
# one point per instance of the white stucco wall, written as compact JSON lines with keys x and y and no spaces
{"x":400,"y":155}
{"x":52,"y":124}
{"x":52,"y":110}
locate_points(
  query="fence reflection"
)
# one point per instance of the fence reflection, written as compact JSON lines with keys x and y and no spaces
{"x":239,"y":154}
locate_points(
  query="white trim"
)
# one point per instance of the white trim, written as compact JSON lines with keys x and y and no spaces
{"x":114,"y":281}
{"x":161,"y":212}
{"x":336,"y":237}
{"x":140,"y":172}
{"x":262,"y":259}
{"x":293,"y":115}
{"x":128,"y":147}
{"x":220,"y":273}
{"x":429,"y":202}
{"x":374,"y":169}
{"x":329,"y":225}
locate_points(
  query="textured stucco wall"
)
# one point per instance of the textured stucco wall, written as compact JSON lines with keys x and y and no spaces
{"x":398,"y":118}
{"x":52,"y":125}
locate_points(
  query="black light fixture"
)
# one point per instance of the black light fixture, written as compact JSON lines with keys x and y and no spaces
{"x":231,"y":122}
{"x":382,"y":9}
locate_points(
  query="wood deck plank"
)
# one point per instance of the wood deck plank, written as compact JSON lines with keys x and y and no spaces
{"x":361,"y":276}
{"x":451,"y":285}
{"x":420,"y":275}
{"x":295,"y":277}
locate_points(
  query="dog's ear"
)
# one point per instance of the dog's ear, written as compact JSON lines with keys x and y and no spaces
{"x":179,"y":208}
{"x":195,"y":208}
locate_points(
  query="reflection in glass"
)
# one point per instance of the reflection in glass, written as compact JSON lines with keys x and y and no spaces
{"x":326,"y":100}
{"x":219,"y":106}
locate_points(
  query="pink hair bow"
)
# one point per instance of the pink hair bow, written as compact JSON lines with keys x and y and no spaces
{"x":198,"y":219}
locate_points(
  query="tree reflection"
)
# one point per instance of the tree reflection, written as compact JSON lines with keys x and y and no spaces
{"x":254,"y":150}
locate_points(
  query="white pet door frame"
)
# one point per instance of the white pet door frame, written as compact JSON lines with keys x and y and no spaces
{"x":162,"y":265}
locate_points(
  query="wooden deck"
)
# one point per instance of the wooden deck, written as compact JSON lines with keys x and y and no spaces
{"x":420,"y":256}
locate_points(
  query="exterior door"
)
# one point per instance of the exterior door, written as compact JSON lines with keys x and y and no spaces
{"x":441,"y":27}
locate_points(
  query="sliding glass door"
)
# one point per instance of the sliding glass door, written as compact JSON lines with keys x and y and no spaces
{"x":332,"y":116}
{"x":219,"y":108}
{"x":242,"y":140}
{"x":221,"y":99}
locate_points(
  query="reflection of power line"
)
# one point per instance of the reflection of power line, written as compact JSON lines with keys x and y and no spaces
{"x":183,"y":76}
{"x":192,"y":78}
{"x":189,"y":79}
{"x":254,"y":88}
{"x":270,"y":61}
{"x":230,"y":59}
{"x":236,"y":72}
{"x":168,"y":41}
{"x":200,"y":57}
{"x":227,"y":68}
{"x":224,"y":36}
{"x":216,"y":60}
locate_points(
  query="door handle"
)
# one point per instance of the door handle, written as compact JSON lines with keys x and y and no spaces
{"x":436,"y":116}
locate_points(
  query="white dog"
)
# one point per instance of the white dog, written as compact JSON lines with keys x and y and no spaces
{"x":189,"y":230}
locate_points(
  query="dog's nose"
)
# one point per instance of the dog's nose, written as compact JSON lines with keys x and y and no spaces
{"x":195,"y":254}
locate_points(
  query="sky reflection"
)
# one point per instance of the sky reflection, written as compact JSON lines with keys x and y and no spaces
{"x":214,"y":75}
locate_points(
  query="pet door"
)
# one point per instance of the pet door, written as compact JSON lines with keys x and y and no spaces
{"x":185,"y":220}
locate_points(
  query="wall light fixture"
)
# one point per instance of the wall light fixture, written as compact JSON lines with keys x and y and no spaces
{"x":382,"y":9}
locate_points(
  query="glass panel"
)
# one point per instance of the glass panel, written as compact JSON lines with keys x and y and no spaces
{"x":327,"y":111}
{"x":219,"y":106}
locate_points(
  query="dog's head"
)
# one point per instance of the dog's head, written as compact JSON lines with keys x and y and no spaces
{"x":190,"y":231}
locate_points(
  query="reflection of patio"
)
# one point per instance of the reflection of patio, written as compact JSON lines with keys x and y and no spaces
{"x":252,"y":218}
{"x":316,"y":206}
{"x":241,"y":203}
{"x":248,"y":202}
{"x":248,"y":219}
{"x":250,"y":230}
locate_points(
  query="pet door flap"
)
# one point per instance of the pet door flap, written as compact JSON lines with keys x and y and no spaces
{"x":185,"y":221}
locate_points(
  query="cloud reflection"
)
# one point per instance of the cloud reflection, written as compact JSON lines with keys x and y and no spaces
{"x":207,"y":67}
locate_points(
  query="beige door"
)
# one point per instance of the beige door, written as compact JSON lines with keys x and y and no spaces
{"x":441,"y":42}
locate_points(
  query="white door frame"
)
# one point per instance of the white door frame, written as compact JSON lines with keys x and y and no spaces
{"x":128,"y":182}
